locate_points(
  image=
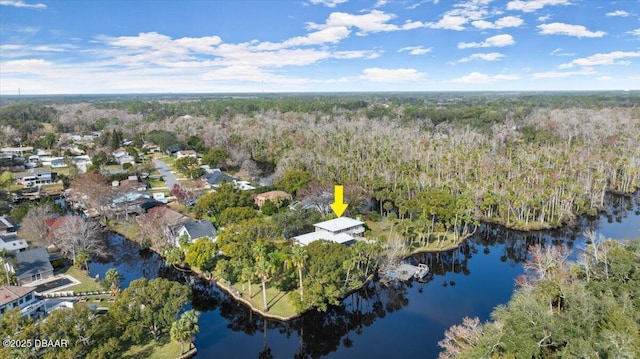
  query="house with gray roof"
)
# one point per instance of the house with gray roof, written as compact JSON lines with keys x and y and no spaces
{"x":216,"y":177}
{"x":195,"y":230}
{"x":32,"y":265}
{"x":11,"y":243}
{"x":7,"y":225}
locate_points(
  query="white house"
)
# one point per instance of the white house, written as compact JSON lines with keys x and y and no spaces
{"x":194,"y":230}
{"x":12,"y":296}
{"x":343,"y":230}
{"x":186,"y":153}
{"x":35,"y":176}
{"x":11,"y":243}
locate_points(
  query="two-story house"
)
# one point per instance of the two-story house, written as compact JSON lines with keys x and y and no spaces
{"x":343,"y":230}
{"x":12,"y":296}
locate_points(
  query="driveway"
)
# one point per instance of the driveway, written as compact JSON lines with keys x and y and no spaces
{"x":163,"y":168}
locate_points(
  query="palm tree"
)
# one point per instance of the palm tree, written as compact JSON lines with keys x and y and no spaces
{"x":263,"y":270}
{"x":247,"y":274}
{"x":113,"y":278}
{"x":82,"y":259}
{"x":184,"y":329}
{"x":298,"y":259}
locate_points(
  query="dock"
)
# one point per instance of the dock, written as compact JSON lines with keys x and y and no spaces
{"x":406,"y":271}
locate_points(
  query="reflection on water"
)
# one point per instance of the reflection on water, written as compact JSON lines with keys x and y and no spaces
{"x":398,"y":320}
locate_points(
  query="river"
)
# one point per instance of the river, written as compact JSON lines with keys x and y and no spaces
{"x":400,"y":321}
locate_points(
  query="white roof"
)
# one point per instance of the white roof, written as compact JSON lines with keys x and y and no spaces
{"x":338,"y":224}
{"x":340,"y":238}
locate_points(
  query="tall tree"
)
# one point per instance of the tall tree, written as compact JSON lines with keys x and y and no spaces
{"x":184,"y":329}
{"x":75,"y":234}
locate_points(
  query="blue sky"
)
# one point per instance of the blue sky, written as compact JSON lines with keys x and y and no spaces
{"x":208,"y":46}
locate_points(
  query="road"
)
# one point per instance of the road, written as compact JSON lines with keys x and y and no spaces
{"x":163,"y":168}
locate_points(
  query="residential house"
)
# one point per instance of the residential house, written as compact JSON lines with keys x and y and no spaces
{"x":151,"y":148}
{"x":186,"y":153}
{"x":7,"y":225}
{"x":82,"y":162}
{"x":12,"y":296}
{"x":32,"y":265}
{"x":58,"y":163}
{"x":272,"y":196}
{"x":11,"y":243}
{"x":35,"y":177}
{"x":122,"y":157}
{"x":195,"y":230}
{"x":319,"y":203}
{"x":243,"y":185}
{"x":216,"y":177}
{"x":16,"y":151}
{"x":343,"y":230}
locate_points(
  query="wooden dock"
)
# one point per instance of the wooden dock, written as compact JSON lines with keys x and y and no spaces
{"x":406,"y":271}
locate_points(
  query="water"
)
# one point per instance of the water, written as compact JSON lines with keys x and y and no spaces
{"x":406,"y":320}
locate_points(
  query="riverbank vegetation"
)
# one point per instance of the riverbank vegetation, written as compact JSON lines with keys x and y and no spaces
{"x":583,"y":308}
{"x":140,"y":320}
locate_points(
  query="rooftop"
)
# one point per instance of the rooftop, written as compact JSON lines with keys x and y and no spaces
{"x":9,"y":293}
{"x":199,"y":229}
{"x":338,"y":224}
{"x":32,"y":261}
{"x":341,"y":238}
{"x":7,"y":224}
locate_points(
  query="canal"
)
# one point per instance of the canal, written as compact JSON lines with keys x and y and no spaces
{"x":402,"y":320}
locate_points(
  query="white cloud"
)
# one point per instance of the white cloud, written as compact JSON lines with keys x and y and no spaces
{"x":533,"y":5}
{"x":558,"y":28}
{"x":449,"y":22}
{"x":635,"y":32}
{"x":507,"y":21}
{"x":480,"y":78}
{"x":328,"y":3}
{"x":611,"y":58}
{"x":604,"y":78}
{"x":490,"y":56}
{"x":544,"y":18}
{"x":380,"y":3}
{"x":26,"y":66}
{"x":22,"y":4}
{"x":375,"y":21}
{"x":376,"y":74}
{"x":416,"y":50}
{"x":558,"y":52}
{"x":620,"y":13}
{"x":557,"y":74}
{"x":493,"y":41}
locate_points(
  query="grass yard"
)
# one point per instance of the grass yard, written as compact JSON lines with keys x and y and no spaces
{"x":277,"y":300}
{"x":161,"y":349}
{"x":128,"y":229}
{"x":447,"y":241}
{"x":155,"y":183}
{"x":87,"y":284}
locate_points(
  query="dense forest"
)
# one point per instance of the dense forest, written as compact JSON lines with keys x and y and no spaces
{"x":526,"y":161}
{"x":586,"y":308}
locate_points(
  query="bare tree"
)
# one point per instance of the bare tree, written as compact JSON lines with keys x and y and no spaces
{"x":157,"y":227}
{"x":75,"y":234}
{"x":34,"y":225}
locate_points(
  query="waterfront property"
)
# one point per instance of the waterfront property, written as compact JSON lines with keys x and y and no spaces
{"x":343,"y":230}
{"x":194,"y":230}
{"x":31,"y":265}
{"x":13,"y":296}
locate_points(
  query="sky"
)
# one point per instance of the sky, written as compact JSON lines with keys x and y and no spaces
{"x":222,"y":46}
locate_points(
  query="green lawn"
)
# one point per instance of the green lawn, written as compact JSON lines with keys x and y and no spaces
{"x":161,"y":349}
{"x":278,"y":301}
{"x":155,"y":183}
{"x":87,"y":284}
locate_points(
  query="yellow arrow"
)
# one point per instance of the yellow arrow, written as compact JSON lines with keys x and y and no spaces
{"x":338,"y":206}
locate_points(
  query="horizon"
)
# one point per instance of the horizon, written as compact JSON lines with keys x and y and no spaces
{"x":54,"y":47}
